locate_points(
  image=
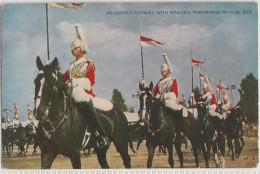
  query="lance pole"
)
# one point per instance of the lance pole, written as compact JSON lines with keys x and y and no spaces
{"x":48,"y":50}
{"x":142,"y":59}
{"x":191,"y":76}
{"x":200,"y":83}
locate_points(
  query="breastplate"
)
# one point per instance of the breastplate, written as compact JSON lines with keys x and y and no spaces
{"x":79,"y":70}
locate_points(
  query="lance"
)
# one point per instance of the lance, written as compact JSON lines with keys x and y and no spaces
{"x":191,"y":77}
{"x":48,"y":50}
{"x":142,"y":59}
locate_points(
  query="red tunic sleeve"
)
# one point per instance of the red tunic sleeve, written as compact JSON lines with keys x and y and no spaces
{"x":156,"y":89}
{"x":175,"y":87}
{"x":214,"y":101}
{"x":91,"y":74}
{"x":66,"y":76}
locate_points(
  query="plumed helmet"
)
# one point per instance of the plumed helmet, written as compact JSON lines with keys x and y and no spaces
{"x":167,"y":64}
{"x":16,"y":116}
{"x":164,"y":67}
{"x":30,"y":117}
{"x":205,"y":85}
{"x":80,"y":40}
{"x":225,"y":97}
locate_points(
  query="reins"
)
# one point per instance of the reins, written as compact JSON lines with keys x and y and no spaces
{"x":45,"y":118}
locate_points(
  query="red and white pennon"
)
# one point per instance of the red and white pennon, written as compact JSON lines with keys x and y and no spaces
{"x":147,"y":42}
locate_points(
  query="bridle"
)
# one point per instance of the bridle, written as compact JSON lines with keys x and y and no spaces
{"x":147,"y":110}
{"x":54,"y":94}
{"x":45,"y":118}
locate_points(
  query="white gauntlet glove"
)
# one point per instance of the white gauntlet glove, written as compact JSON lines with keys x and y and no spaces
{"x":81,"y":82}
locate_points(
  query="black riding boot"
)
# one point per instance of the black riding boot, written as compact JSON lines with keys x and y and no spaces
{"x":178,"y":120}
{"x":94,"y":123}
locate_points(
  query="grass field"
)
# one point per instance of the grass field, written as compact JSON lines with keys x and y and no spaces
{"x":248,"y":159}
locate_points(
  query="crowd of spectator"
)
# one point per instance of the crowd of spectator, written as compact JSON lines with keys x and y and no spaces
{"x":250,"y":130}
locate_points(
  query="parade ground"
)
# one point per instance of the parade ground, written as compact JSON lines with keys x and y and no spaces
{"x":248,"y":159}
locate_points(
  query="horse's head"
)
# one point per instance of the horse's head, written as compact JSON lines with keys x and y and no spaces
{"x":202,"y":108}
{"x":145,"y":99}
{"x":156,"y":114}
{"x":47,"y":83}
{"x":238,"y":114}
{"x":30,"y":129}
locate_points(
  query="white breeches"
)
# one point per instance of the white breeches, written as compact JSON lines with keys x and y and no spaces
{"x":79,"y":95}
{"x":175,"y":106}
{"x":225,"y":114}
{"x":213,"y":113}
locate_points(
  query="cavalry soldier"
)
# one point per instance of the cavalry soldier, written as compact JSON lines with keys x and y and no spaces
{"x":226,"y":106}
{"x":81,"y":76}
{"x":29,"y":121}
{"x":16,"y":122}
{"x":210,"y":98}
{"x":167,"y":90}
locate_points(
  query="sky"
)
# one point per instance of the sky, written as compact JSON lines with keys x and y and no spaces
{"x":226,"y":37}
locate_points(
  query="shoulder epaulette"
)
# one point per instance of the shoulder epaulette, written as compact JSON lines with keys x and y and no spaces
{"x":90,"y":60}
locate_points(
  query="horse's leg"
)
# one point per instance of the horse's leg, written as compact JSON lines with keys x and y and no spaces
{"x":3,"y":147}
{"x":131,"y":147}
{"x":215,"y":153}
{"x":222,"y":149}
{"x":75,"y":160}
{"x":195,"y":153}
{"x":202,"y":148}
{"x":237,"y":147}
{"x":102,"y":158}
{"x":243,"y":144}
{"x":208,"y":144}
{"x":123,"y":150}
{"x":151,"y":150}
{"x":28,"y":143}
{"x":47,"y":159}
{"x":138,"y":144}
{"x":170,"y":157}
{"x":179,"y":153}
{"x":230,"y":146}
{"x":34,"y":147}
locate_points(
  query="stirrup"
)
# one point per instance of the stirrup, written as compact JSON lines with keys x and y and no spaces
{"x":102,"y":142}
{"x":85,"y":140}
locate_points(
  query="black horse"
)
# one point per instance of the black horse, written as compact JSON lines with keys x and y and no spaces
{"x":6,"y":141}
{"x":136,"y":133}
{"x":160,"y":129}
{"x":31,"y":134}
{"x":209,"y":137}
{"x":233,"y":124}
{"x":58,"y":115}
{"x":20,"y":138}
{"x":189,"y":125}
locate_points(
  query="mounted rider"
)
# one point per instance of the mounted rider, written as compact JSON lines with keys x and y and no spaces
{"x":29,"y":121}
{"x":226,"y":106}
{"x":167,"y":90}
{"x":16,"y":122}
{"x":210,"y":98}
{"x":81,"y":77}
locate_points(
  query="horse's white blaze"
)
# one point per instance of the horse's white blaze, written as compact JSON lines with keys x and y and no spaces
{"x":144,"y":109}
{"x":38,"y":100}
{"x":54,"y":76}
{"x":40,"y":72}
